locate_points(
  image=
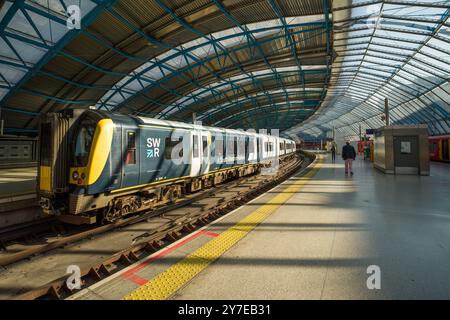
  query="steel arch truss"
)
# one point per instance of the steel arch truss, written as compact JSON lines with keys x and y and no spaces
{"x":394,"y":49}
{"x":240,"y":63}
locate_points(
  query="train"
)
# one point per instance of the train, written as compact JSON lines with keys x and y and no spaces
{"x":439,"y":148}
{"x":97,"y":167}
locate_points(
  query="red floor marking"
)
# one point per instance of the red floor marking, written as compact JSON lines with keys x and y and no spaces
{"x":209,"y":233}
{"x":130,"y":274}
{"x":136,"y":279}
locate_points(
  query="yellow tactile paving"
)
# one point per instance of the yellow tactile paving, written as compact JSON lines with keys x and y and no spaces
{"x":171,"y":280}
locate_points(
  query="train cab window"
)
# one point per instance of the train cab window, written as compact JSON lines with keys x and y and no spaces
{"x":170,"y":145}
{"x":131,"y":148}
{"x":195,"y":146}
{"x":83,"y":141}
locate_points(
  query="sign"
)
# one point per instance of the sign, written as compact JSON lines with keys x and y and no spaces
{"x":153,"y":147}
{"x":405,"y":147}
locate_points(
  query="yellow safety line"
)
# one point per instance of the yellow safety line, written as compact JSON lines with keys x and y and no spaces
{"x":171,"y":280}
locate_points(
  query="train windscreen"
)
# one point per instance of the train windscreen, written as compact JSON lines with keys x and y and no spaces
{"x":83,"y":141}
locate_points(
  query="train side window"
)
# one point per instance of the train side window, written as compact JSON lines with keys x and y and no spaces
{"x":212,"y":150}
{"x":224,"y":144}
{"x":195,"y":146}
{"x":131,"y":148}
{"x":217,"y":149}
{"x":170,"y":145}
{"x":205,"y":145}
{"x":246,"y":150}
{"x":251,"y":145}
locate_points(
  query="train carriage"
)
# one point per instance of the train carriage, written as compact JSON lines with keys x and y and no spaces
{"x":95,"y":164}
{"x":439,"y":148}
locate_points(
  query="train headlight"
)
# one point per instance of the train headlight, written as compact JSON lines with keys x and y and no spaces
{"x":75,"y":175}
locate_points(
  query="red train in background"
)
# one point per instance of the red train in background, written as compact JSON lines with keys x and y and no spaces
{"x":439,"y":148}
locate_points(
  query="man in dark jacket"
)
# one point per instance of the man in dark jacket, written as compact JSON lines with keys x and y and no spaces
{"x":333,"y":152}
{"x":348,"y":154}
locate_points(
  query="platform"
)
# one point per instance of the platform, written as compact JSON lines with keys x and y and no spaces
{"x":313,"y":237}
{"x":17,"y":195}
{"x":17,"y":181}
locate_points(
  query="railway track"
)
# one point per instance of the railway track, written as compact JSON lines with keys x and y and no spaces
{"x":143,"y":234}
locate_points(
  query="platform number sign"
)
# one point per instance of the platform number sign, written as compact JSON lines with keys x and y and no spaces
{"x":153,"y":145}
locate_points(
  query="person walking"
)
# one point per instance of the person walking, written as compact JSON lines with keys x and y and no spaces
{"x":333,"y":152}
{"x":348,"y":154}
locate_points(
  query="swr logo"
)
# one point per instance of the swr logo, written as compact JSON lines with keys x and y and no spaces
{"x":153,"y":147}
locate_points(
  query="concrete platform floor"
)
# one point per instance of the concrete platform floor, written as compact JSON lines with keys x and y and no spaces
{"x":18,"y":202}
{"x":17,"y":181}
{"x":321,"y":242}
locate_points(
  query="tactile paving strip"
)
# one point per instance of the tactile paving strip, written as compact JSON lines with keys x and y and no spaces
{"x":171,"y":280}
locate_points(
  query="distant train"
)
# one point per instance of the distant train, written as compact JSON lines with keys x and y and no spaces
{"x":95,"y":164}
{"x":439,"y":148}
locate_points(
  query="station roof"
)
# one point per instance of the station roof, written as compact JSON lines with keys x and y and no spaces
{"x":392,"y":49}
{"x":300,"y":66}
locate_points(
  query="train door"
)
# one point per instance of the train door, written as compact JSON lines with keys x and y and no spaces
{"x":445,"y":150}
{"x":252,"y":148}
{"x":205,"y":154}
{"x":195,"y":153}
{"x":130,"y":151}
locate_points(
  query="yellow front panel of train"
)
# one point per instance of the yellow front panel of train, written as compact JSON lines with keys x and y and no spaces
{"x":100,"y":150}
{"x":45,"y":178}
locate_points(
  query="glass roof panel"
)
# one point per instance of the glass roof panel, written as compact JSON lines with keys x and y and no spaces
{"x":182,"y":56}
{"x":406,"y":61}
{"x":29,"y":31}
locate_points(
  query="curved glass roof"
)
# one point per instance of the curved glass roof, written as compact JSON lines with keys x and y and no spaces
{"x":394,"y":49}
{"x":304,"y":66}
{"x":168,"y":59}
{"x":200,"y":51}
{"x":28,"y":31}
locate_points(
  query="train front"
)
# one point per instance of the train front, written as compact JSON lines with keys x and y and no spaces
{"x":72,"y":150}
